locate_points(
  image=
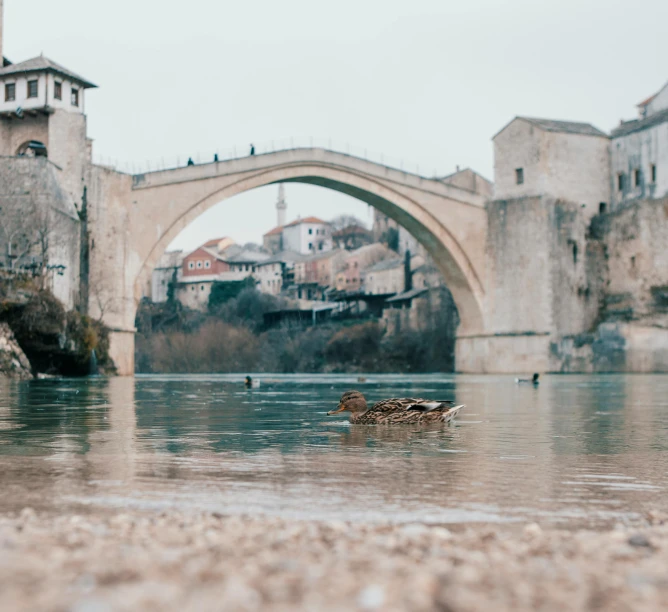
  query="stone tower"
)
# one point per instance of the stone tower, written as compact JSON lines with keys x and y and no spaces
{"x":1,"y":20}
{"x":281,"y":205}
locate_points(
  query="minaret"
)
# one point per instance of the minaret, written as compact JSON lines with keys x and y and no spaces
{"x":1,"y":20}
{"x":281,"y":206}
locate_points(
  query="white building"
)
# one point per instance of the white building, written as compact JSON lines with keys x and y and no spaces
{"x":563,"y":159}
{"x":639,"y":152}
{"x":276,"y":273}
{"x":39,"y":84}
{"x":308,"y":235}
{"x":385,"y":277}
{"x":269,"y":276}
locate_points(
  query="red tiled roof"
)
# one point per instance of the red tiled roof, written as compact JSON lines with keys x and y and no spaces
{"x":213,"y":241}
{"x":646,"y":102}
{"x":306,"y":220}
{"x":277,"y":230}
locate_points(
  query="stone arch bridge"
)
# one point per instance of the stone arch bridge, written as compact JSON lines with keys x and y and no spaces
{"x":132,"y":220}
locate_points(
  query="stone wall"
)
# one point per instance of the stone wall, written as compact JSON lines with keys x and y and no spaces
{"x":537,"y":268}
{"x":629,"y":260}
{"x":544,"y":281}
{"x":32,"y":192}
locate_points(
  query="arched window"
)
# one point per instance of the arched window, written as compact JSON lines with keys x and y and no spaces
{"x":32,"y":148}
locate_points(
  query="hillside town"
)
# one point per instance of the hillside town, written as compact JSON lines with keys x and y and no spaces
{"x":322,"y":270}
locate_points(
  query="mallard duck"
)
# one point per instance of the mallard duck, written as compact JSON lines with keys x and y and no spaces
{"x":526,"y":381}
{"x":396,"y":410}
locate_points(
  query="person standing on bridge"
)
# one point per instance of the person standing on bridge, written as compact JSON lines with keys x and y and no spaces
{"x":252,"y":151}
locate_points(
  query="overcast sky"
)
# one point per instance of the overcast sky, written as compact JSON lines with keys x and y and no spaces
{"x":424,"y":81}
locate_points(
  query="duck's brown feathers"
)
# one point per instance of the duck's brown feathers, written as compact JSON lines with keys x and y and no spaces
{"x":407,"y":410}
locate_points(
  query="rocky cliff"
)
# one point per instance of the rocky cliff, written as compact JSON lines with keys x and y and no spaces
{"x":54,"y":340}
{"x":13,"y":362}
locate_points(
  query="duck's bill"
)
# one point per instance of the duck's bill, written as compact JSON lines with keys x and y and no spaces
{"x":339,"y":409}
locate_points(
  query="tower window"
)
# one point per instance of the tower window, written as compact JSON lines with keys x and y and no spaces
{"x":637,"y":177}
{"x":652,"y":172}
{"x":191,"y":265}
{"x":310,"y":230}
{"x":10,"y":92}
{"x":620,"y":181}
{"x":32,"y":89}
{"x":519,"y":176}
{"x":207,"y":264}
{"x":58,"y":90}
{"x":74,"y":98}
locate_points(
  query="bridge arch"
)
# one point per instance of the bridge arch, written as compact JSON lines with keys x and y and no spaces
{"x":184,"y":200}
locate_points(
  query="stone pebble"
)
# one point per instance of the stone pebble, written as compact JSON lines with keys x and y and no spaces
{"x":176,"y":561}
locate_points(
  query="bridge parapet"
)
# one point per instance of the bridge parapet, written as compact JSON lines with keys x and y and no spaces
{"x":301,"y":156}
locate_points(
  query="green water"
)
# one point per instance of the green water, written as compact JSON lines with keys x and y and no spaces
{"x":577,"y":450}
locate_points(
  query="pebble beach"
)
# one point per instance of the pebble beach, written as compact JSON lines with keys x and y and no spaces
{"x":178,"y":561}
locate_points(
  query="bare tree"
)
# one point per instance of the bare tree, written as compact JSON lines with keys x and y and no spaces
{"x":103,"y":301}
{"x":341,"y":221}
{"x":30,"y":234}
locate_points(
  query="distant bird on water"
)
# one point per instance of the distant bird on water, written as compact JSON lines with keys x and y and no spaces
{"x":526,"y":381}
{"x":249,"y":383}
{"x":396,"y":411}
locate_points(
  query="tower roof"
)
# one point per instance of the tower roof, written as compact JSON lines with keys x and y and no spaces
{"x":553,"y":125}
{"x":307,"y":220}
{"x":44,"y":64}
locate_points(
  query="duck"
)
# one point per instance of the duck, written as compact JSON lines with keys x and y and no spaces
{"x":396,"y":411}
{"x":528,"y":381}
{"x":249,"y":383}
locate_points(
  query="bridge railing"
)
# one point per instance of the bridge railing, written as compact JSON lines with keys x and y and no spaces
{"x":272,"y":146}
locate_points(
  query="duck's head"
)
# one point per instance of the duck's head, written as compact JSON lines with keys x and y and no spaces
{"x":535,"y":377}
{"x":249,"y":381}
{"x":351,"y":401}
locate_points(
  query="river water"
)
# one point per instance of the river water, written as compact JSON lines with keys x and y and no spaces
{"x":576,"y":451}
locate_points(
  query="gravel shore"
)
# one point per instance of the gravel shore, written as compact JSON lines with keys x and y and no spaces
{"x":184,"y":562}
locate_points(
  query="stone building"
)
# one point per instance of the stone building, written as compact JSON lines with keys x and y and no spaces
{"x":639,"y":155}
{"x":272,"y":241}
{"x":355,"y":264}
{"x":44,"y":161}
{"x":269,"y":276}
{"x":315,"y":276}
{"x":570,"y":161}
{"x":276,"y":273}
{"x":385,"y":278}
{"x":165,"y":274}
